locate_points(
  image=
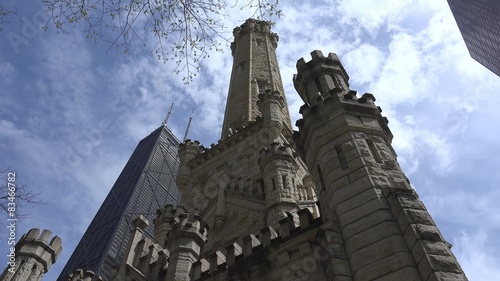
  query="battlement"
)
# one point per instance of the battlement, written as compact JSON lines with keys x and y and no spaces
{"x":191,"y":144}
{"x":236,"y":135}
{"x":363,"y":114}
{"x":276,"y":151}
{"x":319,"y":63}
{"x":318,"y":57}
{"x":268,"y":94}
{"x":150,"y":258}
{"x":34,"y":255}
{"x":146,"y":258}
{"x":251,"y":244}
{"x":254,"y":26}
{"x":277,"y":148}
{"x":315,"y":79}
{"x":170,"y":218}
{"x":80,"y":275}
{"x":31,"y":243}
{"x":189,"y":223}
{"x":168,"y":212}
{"x":366,"y":100}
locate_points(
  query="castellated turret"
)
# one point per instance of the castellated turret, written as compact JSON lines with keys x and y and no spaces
{"x":187,"y":151}
{"x":33,"y":256}
{"x":181,"y":237}
{"x":278,"y":168}
{"x":346,"y":144}
{"x":186,"y":238}
{"x":162,"y":223}
{"x":319,"y":76}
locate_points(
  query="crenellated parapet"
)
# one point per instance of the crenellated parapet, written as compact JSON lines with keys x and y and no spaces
{"x":318,"y":76}
{"x":254,"y":26}
{"x":277,"y":151}
{"x":265,"y":250}
{"x":144,"y":259}
{"x":81,"y":275}
{"x":189,"y":225}
{"x":358,"y":113}
{"x":193,"y":154}
{"x":33,"y":256}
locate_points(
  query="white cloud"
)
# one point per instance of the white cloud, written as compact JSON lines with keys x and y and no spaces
{"x":7,"y":72}
{"x":402,"y":78}
{"x":374,"y":13}
{"x":417,"y":146}
{"x":478,"y":259}
{"x":365,"y":61}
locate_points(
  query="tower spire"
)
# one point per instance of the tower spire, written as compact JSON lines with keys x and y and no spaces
{"x":255,"y":71}
{"x":164,"y":123}
{"x":189,"y":124}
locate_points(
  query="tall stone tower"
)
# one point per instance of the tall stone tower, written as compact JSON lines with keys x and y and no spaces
{"x":253,"y":176}
{"x":255,"y":70}
{"x":387,"y":232}
{"x":33,"y":256}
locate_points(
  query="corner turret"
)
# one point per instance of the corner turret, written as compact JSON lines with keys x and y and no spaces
{"x":162,"y":223}
{"x":346,"y":144}
{"x":279,"y":168}
{"x":185,"y":241}
{"x":32,"y":257}
{"x":187,"y":151}
{"x":317,"y":77}
{"x":271,"y":106}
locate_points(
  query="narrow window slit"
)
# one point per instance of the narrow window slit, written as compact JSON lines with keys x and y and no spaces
{"x":373,"y":150}
{"x":342,"y":159}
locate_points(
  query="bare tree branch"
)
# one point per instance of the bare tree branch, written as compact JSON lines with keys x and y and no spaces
{"x":18,"y":194}
{"x":184,"y":30}
{"x":4,"y":13}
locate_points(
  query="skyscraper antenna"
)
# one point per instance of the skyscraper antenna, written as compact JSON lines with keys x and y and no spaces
{"x":189,"y":124}
{"x":168,"y":115}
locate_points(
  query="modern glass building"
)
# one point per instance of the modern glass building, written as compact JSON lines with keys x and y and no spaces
{"x":146,"y":184}
{"x":479,"y":23}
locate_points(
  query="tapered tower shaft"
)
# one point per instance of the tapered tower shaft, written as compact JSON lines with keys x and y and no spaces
{"x":255,"y":70}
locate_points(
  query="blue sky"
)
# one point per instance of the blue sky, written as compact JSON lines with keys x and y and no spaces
{"x":71,"y":114}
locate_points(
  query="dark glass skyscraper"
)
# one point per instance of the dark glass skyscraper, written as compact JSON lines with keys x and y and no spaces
{"x":146,"y":184}
{"x":479,"y":23}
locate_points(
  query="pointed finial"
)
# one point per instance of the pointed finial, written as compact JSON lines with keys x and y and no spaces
{"x":189,"y":124}
{"x":168,"y":115}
